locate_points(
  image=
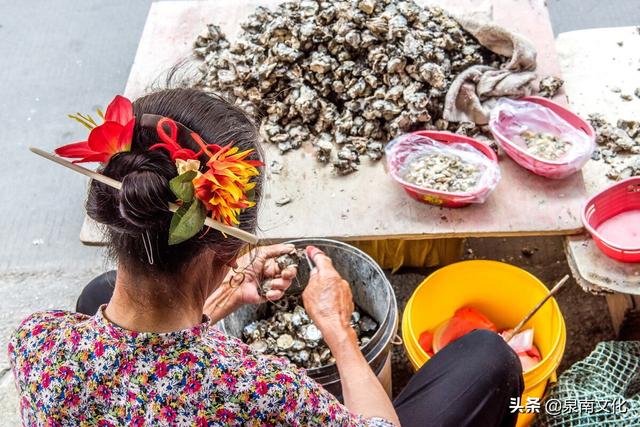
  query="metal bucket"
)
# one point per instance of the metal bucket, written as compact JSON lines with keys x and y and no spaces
{"x":371,"y":291}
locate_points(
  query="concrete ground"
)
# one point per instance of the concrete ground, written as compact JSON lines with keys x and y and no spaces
{"x":63,"y":57}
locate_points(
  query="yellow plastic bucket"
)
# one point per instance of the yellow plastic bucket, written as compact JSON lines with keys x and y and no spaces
{"x":505,"y":294}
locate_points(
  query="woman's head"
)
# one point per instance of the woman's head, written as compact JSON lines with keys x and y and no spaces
{"x":138,"y":215}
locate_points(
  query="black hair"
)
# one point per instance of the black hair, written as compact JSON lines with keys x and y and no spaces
{"x":138,"y":213}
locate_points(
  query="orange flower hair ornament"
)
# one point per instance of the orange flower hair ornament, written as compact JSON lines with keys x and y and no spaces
{"x":220,"y":189}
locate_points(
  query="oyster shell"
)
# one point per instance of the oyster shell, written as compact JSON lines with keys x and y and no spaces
{"x":276,"y":167}
{"x":284,"y":342}
{"x":283,"y":261}
{"x":292,"y":259}
{"x":264,"y":287}
{"x":310,"y":333}
{"x":284,"y":200}
{"x":549,"y":86}
{"x":355,"y":317}
{"x":324,"y":148}
{"x":259,"y":346}
{"x":367,"y":324}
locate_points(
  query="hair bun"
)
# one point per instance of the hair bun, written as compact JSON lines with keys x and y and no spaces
{"x":142,"y":200}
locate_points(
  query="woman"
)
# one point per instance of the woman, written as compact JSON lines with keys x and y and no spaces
{"x":150,"y":356}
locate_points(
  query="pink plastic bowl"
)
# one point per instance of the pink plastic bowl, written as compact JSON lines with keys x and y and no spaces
{"x":622,"y":198}
{"x":549,"y":169}
{"x":442,"y":198}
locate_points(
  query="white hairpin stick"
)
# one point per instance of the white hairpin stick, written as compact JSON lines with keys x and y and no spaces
{"x":227,"y":229}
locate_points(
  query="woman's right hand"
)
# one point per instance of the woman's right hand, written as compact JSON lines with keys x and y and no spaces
{"x":329,"y":303}
{"x":328,"y":300}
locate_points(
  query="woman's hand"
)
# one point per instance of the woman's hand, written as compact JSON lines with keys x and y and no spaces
{"x":242,"y":287}
{"x":260,"y":265}
{"x":328,"y":300}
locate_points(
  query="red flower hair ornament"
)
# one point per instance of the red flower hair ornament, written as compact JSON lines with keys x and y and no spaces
{"x":221,"y":188}
{"x":111,"y":137}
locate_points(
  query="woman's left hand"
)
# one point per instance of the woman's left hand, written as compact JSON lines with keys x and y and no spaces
{"x":260,"y":265}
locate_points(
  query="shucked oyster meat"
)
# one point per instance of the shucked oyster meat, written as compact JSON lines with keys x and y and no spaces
{"x":442,"y":172}
{"x":340,"y":72}
{"x":287,"y":331}
{"x":545,"y":145}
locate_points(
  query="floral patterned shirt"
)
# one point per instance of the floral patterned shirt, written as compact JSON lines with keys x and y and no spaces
{"x":72,"y":369}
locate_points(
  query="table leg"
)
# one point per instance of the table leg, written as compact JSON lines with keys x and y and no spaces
{"x":619,"y":306}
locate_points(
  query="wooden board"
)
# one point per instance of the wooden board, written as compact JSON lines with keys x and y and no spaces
{"x":367,"y":204}
{"x":592,"y":63}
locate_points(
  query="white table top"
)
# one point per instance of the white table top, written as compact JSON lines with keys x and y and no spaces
{"x":368,"y":204}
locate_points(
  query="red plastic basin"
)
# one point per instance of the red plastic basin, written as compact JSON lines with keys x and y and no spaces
{"x":612,"y":217}
{"x":549,"y":169}
{"x":443,"y":198}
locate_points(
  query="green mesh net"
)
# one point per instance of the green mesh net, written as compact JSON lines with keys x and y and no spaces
{"x":601,"y":390}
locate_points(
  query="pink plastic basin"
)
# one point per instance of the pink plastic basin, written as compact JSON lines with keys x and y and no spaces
{"x":549,"y":169}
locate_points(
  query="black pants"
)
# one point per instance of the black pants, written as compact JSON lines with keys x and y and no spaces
{"x":468,"y":383}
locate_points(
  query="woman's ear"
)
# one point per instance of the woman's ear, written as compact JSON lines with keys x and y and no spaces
{"x":233,"y":264}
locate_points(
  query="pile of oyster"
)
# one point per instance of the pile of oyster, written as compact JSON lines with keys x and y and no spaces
{"x":545,"y":145}
{"x":347,"y":75}
{"x":618,"y":146}
{"x":443,"y":172}
{"x":287,"y":331}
